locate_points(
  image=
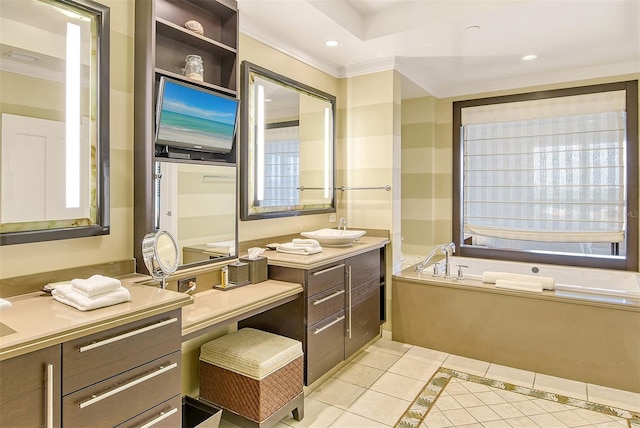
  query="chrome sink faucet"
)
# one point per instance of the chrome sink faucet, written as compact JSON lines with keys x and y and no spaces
{"x":342,"y":223}
{"x":447,"y":250}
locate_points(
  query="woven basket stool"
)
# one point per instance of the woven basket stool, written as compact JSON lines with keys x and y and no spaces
{"x":254,"y":375}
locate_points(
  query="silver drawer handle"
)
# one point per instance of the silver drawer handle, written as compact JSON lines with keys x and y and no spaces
{"x":324,"y":299}
{"x":335,"y":321}
{"x":49,"y":415}
{"x":162,"y":417}
{"x":126,"y":335}
{"x":97,"y":398}
{"x":320,"y":272}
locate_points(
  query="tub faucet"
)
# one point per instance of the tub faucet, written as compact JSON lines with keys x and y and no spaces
{"x":342,"y":223}
{"x":447,"y":250}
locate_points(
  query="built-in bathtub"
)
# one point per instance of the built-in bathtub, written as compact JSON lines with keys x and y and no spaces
{"x":607,"y":285}
{"x":587,"y":329}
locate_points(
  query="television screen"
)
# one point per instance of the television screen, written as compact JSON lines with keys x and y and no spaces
{"x":189,"y":116}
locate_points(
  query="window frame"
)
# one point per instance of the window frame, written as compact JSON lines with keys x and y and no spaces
{"x":630,"y":262}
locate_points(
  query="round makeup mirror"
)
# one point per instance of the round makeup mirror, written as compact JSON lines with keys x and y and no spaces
{"x":160,"y":254}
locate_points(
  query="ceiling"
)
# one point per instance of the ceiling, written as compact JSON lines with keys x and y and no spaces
{"x":450,"y":48}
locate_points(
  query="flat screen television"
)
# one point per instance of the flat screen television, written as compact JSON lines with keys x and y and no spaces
{"x":192,"y":117}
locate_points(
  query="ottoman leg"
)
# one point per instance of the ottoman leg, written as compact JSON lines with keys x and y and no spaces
{"x":298,"y":413}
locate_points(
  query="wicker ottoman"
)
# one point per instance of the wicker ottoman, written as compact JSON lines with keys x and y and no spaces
{"x":255,"y":375}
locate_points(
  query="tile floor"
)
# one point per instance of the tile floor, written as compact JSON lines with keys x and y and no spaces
{"x":378,"y":386}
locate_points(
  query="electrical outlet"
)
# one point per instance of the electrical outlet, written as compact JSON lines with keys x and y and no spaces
{"x":332,"y":218}
{"x":187,"y":284}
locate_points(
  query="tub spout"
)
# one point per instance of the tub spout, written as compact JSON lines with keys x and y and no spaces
{"x":447,"y":250}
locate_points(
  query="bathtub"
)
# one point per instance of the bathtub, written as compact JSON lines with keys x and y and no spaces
{"x":599,"y":284}
{"x":587,"y":329}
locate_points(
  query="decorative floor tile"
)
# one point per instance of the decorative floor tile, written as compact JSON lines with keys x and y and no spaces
{"x":456,"y":398}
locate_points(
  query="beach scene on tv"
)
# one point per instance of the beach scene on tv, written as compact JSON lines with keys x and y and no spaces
{"x":196,"y":119}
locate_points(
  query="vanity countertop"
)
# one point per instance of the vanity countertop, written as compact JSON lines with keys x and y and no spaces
{"x":36,"y":321}
{"x":214,"y":307}
{"x":328,"y":254}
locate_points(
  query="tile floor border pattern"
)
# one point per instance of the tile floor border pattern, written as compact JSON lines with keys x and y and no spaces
{"x":426,"y":399}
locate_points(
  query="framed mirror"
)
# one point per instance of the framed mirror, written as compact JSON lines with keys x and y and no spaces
{"x":287,"y":145}
{"x":54,"y":101}
{"x":196,"y":203}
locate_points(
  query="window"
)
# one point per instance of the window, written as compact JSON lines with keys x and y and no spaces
{"x":282,"y":165}
{"x":549,"y":177}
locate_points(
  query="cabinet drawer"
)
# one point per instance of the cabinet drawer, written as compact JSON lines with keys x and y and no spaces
{"x":27,"y":392}
{"x":324,"y":278}
{"x":118,"y":399}
{"x":321,"y":366}
{"x":325,"y":336}
{"x":325,"y":304}
{"x":90,"y":359}
{"x":165,"y":415}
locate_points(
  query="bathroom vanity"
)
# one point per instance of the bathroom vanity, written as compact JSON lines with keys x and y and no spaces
{"x":342,"y":306}
{"x":116,"y":366}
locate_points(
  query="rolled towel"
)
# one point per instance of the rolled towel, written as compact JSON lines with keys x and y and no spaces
{"x":95,"y":285}
{"x":68,"y":295}
{"x":305,"y":242}
{"x":491,"y":277}
{"x":520,"y":285}
{"x":4,"y":304}
{"x":292,"y":248}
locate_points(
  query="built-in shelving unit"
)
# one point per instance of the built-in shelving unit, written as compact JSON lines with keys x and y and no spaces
{"x":162,"y":43}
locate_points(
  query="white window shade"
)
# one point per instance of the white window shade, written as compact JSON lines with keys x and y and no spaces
{"x":547,"y":170}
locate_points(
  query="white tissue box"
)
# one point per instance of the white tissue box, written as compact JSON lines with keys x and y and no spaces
{"x":258,"y":268}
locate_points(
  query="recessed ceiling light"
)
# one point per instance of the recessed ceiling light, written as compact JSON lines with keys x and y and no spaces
{"x":529,"y":57}
{"x":473,"y":27}
{"x":332,"y":43}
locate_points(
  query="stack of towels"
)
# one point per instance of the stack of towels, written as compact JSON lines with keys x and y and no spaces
{"x":300,"y":246}
{"x":520,"y":282}
{"x":94,"y":292}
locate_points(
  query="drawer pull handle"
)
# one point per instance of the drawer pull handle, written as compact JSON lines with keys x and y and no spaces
{"x":163,"y":416}
{"x":49,"y":415}
{"x":320,"y":272}
{"x":126,"y":386}
{"x":335,"y":321}
{"x":127,"y":335}
{"x":324,"y":299}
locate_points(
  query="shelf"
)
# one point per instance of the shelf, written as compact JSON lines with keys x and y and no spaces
{"x":188,"y":37}
{"x":203,"y":84}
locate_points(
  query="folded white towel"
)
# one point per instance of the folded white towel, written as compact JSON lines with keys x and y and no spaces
{"x":519,"y":285}
{"x":68,"y":295}
{"x":292,"y":248}
{"x":4,"y":304}
{"x":305,"y":242}
{"x":491,"y":277}
{"x":95,"y":285}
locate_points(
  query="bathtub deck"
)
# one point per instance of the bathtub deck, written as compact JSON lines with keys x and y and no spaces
{"x":589,"y":340}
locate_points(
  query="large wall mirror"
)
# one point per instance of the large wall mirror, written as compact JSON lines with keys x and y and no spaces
{"x":196,"y":203}
{"x":54,"y":101}
{"x":287,"y":146}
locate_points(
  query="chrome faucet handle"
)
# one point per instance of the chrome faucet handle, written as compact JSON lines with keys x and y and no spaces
{"x":460,"y":273}
{"x":436,"y":270}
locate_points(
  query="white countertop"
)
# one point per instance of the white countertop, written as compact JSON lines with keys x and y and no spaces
{"x":328,"y":254}
{"x":39,"y":321}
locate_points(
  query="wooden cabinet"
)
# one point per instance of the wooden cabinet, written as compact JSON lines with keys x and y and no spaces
{"x":113,"y":376}
{"x":30,"y":389}
{"x":162,"y":43}
{"x":339,"y":313}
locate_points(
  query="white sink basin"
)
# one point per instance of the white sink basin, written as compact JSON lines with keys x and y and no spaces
{"x":334,"y":237}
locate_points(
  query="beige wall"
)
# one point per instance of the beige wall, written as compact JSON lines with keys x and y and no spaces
{"x":427,"y":165}
{"x":24,"y":259}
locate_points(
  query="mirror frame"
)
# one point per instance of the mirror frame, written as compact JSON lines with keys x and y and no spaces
{"x":102,"y":226}
{"x":247,"y":69}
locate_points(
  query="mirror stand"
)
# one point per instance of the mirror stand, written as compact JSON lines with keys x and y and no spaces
{"x":160,"y":254}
